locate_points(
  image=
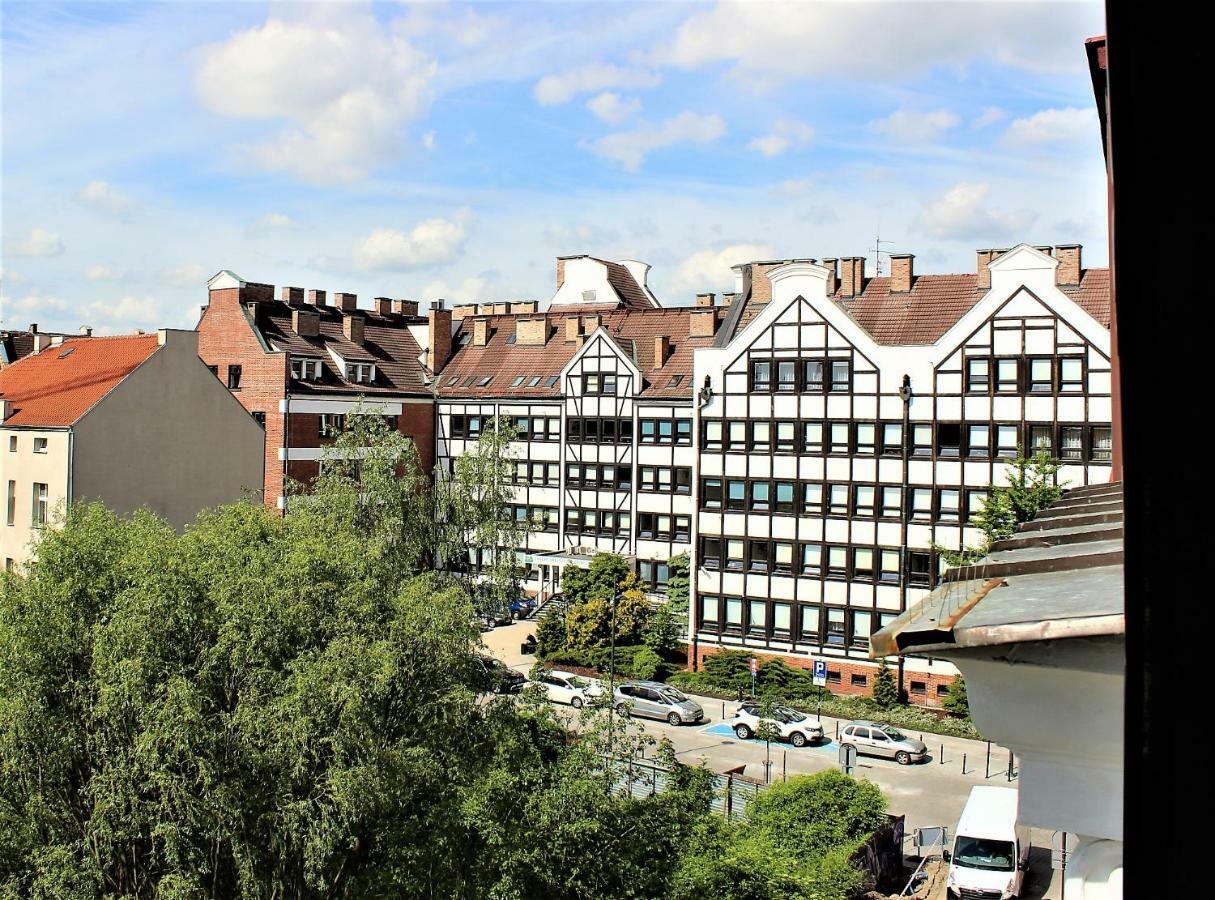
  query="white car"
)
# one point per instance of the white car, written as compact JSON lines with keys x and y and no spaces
{"x":566,"y":687}
{"x":797,"y":728}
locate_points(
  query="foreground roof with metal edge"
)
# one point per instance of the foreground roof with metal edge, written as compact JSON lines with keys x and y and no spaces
{"x":1060,"y":576}
{"x":56,"y":387}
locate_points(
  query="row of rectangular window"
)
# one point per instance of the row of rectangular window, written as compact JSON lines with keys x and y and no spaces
{"x":40,"y":503}
{"x":879,"y":565}
{"x":653,"y":574}
{"x":801,"y":376}
{"x":607,"y":522}
{"x":332,"y":424}
{"x":825,"y":625}
{"x":543,"y":516}
{"x":606,"y":476}
{"x":537,"y":428}
{"x":1024,"y":374}
{"x":598,"y":431}
{"x":839,"y":500}
{"x":40,"y":444}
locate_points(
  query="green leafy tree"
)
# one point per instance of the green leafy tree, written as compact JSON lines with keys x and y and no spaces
{"x":885,"y":691}
{"x":590,"y":594}
{"x":956,"y":701}
{"x":664,"y":630}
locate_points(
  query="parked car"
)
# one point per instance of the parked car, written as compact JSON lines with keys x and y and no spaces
{"x":797,"y":728}
{"x":876,"y":739}
{"x":990,"y":850}
{"x":493,"y":676}
{"x":522,"y":606}
{"x":655,"y":700}
{"x":566,"y":687}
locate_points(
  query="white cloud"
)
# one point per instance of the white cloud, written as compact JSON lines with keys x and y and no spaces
{"x":39,"y":242}
{"x":1054,"y":126}
{"x":469,"y":290}
{"x":428,"y":140}
{"x":962,"y":214}
{"x":186,"y":275}
{"x":103,"y":197}
{"x":609,"y":107}
{"x":709,"y":270}
{"x":785,"y":134}
{"x":990,"y":116}
{"x":428,"y":243}
{"x":769,"y":42}
{"x":346,"y":85}
{"x":630,"y":148}
{"x":918,"y":127}
{"x":562,"y":87}
{"x":98,"y":272}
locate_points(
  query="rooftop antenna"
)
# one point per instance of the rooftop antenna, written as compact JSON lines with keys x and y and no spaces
{"x":877,"y":252}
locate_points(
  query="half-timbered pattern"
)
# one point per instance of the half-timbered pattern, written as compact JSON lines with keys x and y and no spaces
{"x":848,"y":425}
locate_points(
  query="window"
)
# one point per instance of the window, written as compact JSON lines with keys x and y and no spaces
{"x":761,"y":375}
{"x":781,"y":615}
{"x":1071,"y":375}
{"x":786,"y":437}
{"x":710,"y":609}
{"x":535,"y":380}
{"x":683,"y":529}
{"x":892,"y":439}
{"x":332,"y":424}
{"x":919,"y":568}
{"x":812,"y":437}
{"x":734,"y":611}
{"x":736,"y":494}
{"x":1071,"y":443}
{"x":551,"y":380}
{"x":1007,"y":376}
{"x":214,"y":370}
{"x":259,"y":418}
{"x":835,"y":628}
{"x":840,"y":442}
{"x":812,"y":376}
{"x":363,"y":373}
{"x":713,"y":434}
{"x":978,"y":441}
{"x":734,"y":554}
{"x":862,"y":564}
{"x":949,"y":439}
{"x":306,"y":369}
{"x":857,"y":680}
{"x":812,"y":499}
{"x":665,"y":431}
{"x":921,"y":504}
{"x":759,"y":556}
{"x":812,"y":561}
{"x":866,"y":439}
{"x":1007,"y":440}
{"x":10,"y":515}
{"x":675,"y":381}
{"x":837,"y":562}
{"x":1102,"y":443}
{"x":234,"y":378}
{"x":892,"y":503}
{"x":947,"y":505}
{"x":809,"y":624}
{"x":978,"y":375}
{"x":1041,"y":380}
{"x":736,"y":435}
{"x":784,"y":497}
{"x":1042,"y":439}
{"x":710,"y":493}
{"x":782,"y":557}
{"x":786,"y":375}
{"x":761,"y":436}
{"x":40,"y":504}
{"x":921,"y":440}
{"x":862,"y":625}
{"x":518,"y":381}
{"x":919,"y":687}
{"x":837,"y":499}
{"x":683,"y":432}
{"x":760,"y":496}
{"x":888,"y":571}
{"x":841,"y":376}
{"x":757,"y":616}
{"x":975,"y":500}
{"x":863,"y":500}
{"x":353,"y":374}
{"x":649,"y":431}
{"x":710,"y":552}
{"x":40,"y":445}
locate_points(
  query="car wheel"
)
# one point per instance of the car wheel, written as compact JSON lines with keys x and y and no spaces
{"x":903,"y":758}
{"x":797,"y":739}
{"x":674,"y":719}
{"x":576,"y":703}
{"x":743,"y":732}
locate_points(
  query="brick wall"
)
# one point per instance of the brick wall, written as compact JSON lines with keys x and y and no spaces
{"x":226,"y":338}
{"x":850,"y":673}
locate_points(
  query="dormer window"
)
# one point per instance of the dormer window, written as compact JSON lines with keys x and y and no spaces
{"x":360,"y":373}
{"x":303,"y":369}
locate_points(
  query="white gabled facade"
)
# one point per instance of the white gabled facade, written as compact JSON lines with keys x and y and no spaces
{"x":813,"y":474}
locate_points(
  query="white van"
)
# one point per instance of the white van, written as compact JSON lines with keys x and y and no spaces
{"x":990,"y":850}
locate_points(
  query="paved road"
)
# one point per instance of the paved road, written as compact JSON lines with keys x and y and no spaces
{"x":930,"y":793}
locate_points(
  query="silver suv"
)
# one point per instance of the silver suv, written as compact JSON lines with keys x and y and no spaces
{"x":656,"y":700}
{"x":876,"y":739}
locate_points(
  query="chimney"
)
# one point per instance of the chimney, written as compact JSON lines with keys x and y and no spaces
{"x":345,"y":302}
{"x":293,"y":295}
{"x":702,"y":323}
{"x":306,"y":322}
{"x":727,"y":299}
{"x":705,"y":299}
{"x":531,"y":332}
{"x":353,"y":326}
{"x":525,"y":306}
{"x":901,"y":272}
{"x":1068,"y":272}
{"x":831,"y":264}
{"x":480,"y":332}
{"x":560,"y":273}
{"x":6,"y":409}
{"x":589,"y":324}
{"x":852,"y":276}
{"x":573,"y":328}
{"x":405,"y":307}
{"x":500,"y":309}
{"x":761,"y":287}
{"x":464,"y":309}
{"x":662,"y":349}
{"x":316,"y":298}
{"x":382,"y":305}
{"x":86,"y":330}
{"x":438,"y":352}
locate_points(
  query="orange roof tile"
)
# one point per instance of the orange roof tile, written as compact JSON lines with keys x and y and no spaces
{"x":56,"y":387}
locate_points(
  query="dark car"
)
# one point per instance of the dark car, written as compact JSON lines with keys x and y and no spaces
{"x":495,"y":677}
{"x":522,"y":607}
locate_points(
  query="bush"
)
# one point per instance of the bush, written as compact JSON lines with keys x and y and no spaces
{"x":885,"y":691}
{"x":956,"y":701}
{"x":646,"y":664}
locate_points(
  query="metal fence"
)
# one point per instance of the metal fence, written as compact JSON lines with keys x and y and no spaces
{"x":641,"y":778}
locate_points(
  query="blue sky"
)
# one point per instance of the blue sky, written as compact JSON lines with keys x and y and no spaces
{"x":454,"y":150}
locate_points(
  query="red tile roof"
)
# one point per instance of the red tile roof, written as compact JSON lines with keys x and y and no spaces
{"x":622,"y":280}
{"x":387,"y":342}
{"x":633,"y":329}
{"x":56,"y":387}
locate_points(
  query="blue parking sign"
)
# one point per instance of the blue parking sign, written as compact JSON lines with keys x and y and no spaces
{"x":820,"y":668}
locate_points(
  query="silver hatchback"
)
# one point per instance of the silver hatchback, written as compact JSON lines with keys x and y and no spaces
{"x":656,"y":700}
{"x":876,"y":739}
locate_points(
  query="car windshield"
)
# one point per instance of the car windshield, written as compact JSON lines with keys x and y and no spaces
{"x":981,"y":853}
{"x":579,"y":682}
{"x":893,"y":734}
{"x":673,"y":695}
{"x":785,"y":714}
